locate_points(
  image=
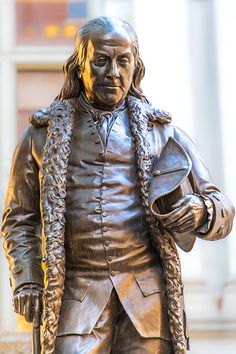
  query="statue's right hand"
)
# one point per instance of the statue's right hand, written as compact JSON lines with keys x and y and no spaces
{"x":27,"y":302}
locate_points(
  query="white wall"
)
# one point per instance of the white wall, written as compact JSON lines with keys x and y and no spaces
{"x":188,"y":49}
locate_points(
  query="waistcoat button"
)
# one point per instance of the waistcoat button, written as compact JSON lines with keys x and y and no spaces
{"x":106,"y":243}
{"x":109,"y":259}
{"x":105,"y":214}
{"x":104,"y":188}
{"x":105,"y":229}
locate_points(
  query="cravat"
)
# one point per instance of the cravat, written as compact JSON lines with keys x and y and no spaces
{"x":102,"y":119}
{"x":105,"y":124}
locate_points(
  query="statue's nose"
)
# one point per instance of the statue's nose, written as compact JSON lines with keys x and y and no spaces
{"x":113,"y":69}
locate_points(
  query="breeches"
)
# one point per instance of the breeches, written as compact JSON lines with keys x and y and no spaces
{"x":113,"y":333}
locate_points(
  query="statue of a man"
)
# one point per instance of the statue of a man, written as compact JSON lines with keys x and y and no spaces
{"x":102,"y":188}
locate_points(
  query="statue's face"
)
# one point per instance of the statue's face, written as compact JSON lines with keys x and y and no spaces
{"x":109,"y":68}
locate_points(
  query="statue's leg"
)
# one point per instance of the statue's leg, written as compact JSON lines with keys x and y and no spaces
{"x":99,"y":341}
{"x":128,"y":340}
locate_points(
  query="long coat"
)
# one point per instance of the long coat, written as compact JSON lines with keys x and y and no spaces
{"x":36,"y":197}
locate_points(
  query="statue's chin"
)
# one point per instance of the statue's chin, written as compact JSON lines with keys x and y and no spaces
{"x":108,"y":97}
{"x":108,"y":104}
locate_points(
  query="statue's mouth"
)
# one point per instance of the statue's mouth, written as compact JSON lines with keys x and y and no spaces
{"x":110,"y":86}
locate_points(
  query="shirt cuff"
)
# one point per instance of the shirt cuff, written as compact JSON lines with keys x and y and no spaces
{"x":203,"y":229}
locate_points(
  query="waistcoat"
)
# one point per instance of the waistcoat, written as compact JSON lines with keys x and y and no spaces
{"x":106,"y":230}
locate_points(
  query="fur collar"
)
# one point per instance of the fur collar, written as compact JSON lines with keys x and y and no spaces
{"x":43,"y":116}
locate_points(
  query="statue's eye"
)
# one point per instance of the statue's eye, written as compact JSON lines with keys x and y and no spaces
{"x":124,"y":60}
{"x":101,"y":60}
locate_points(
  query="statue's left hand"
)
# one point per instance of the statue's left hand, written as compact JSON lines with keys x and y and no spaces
{"x":188,"y":214}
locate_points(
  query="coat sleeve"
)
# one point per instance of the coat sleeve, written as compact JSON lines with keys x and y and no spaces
{"x":21,"y":226}
{"x":222,"y":211}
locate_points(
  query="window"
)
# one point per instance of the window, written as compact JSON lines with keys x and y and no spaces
{"x":35,"y":90}
{"x":49,"y":22}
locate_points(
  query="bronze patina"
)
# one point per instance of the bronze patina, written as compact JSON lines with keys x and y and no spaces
{"x":103,"y":187}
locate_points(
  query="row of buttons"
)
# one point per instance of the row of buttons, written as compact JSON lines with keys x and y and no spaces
{"x":105,"y":228}
{"x":104,"y":214}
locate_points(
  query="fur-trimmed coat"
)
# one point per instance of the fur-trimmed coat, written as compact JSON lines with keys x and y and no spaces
{"x":36,"y":196}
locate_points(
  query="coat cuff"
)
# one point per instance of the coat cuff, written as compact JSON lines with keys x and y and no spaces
{"x":26,"y":272}
{"x":28,"y":286}
{"x":223,"y":213}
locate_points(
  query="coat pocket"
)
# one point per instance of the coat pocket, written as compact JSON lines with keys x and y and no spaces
{"x":76,"y":289}
{"x":150,"y":283}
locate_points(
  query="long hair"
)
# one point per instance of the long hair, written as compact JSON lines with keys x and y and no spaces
{"x":73,"y":85}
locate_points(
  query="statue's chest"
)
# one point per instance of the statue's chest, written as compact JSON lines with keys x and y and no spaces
{"x":90,"y":155}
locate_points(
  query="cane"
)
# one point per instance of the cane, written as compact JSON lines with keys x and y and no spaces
{"x":36,"y":343}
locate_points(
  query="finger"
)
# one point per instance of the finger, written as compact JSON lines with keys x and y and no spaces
{"x":21,"y":304}
{"x":175,"y":215}
{"x":190,"y":228}
{"x":188,"y":216}
{"x":28,"y":307}
{"x":15,"y":303}
{"x":165,"y":217}
{"x":188,"y":224}
{"x":18,"y":302}
{"x":180,"y":202}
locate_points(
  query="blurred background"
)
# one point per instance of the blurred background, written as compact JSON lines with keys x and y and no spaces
{"x":189,"y":50}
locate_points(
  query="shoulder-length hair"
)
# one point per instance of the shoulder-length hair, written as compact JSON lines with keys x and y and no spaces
{"x":73,"y":85}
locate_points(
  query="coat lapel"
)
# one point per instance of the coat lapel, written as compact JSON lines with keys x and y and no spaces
{"x":53,"y":192}
{"x":140,"y":114}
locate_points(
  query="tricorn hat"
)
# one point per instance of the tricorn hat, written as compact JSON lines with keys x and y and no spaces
{"x":169,"y":183}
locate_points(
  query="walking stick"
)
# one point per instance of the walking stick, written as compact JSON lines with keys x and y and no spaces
{"x":36,"y":342}
{"x":36,"y":346}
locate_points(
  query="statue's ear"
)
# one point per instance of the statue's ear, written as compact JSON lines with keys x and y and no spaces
{"x":80,"y":70}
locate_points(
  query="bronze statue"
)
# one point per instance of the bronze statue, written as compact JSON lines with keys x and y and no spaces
{"x":112,"y":186}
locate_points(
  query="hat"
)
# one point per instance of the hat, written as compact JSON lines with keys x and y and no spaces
{"x":169,"y":183}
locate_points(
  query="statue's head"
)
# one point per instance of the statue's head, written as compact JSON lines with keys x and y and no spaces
{"x":105,"y":65}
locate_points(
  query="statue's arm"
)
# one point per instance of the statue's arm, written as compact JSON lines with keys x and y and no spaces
{"x":21,"y":227}
{"x":219,"y":208}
